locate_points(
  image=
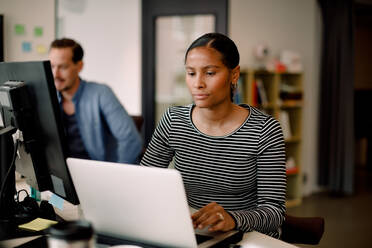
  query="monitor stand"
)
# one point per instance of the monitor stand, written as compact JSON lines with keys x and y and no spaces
{"x":12,"y":213}
{"x":7,"y":182}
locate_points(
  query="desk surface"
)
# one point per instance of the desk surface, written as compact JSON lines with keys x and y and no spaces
{"x":71,"y":212}
{"x":250,"y":240}
{"x":258,"y":240}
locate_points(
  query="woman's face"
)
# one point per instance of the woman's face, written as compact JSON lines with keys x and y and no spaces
{"x":207,"y":78}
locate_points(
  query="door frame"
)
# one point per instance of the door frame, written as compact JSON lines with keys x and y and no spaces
{"x":151,"y":9}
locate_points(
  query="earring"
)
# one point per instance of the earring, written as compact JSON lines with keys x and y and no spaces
{"x":233,"y":86}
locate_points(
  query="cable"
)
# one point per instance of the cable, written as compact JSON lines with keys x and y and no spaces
{"x":4,"y":184}
{"x":19,"y":192}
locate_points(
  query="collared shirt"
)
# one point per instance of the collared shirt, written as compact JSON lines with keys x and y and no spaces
{"x":106,"y":129}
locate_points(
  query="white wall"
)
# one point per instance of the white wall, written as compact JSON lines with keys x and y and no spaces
{"x":110,"y":34}
{"x":29,"y":14}
{"x":285,"y":24}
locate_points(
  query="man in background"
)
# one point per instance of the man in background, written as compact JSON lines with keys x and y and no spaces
{"x":97,"y":125}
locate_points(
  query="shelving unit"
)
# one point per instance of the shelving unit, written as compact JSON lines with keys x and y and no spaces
{"x":280,"y":94}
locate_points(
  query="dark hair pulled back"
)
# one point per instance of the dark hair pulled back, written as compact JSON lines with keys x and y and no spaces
{"x":224,"y":45}
{"x":220,"y":42}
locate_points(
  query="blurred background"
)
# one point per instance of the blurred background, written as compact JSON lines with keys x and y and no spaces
{"x":306,"y":62}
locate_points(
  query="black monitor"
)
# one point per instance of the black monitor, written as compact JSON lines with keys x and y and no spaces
{"x":1,"y":38}
{"x":41,"y":156}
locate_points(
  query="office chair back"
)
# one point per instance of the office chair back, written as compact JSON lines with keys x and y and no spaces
{"x":302,"y":230}
{"x":138,"y":121}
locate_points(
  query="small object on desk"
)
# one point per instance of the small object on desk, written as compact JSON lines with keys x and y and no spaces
{"x":35,"y":194}
{"x":38,"y":224}
{"x":77,"y":234}
{"x":47,"y":210}
{"x":125,"y":246}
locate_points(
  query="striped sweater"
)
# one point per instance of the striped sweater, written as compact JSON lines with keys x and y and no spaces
{"x":243,"y":171}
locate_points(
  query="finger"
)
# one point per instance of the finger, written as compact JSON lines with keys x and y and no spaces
{"x":204,"y":211}
{"x":219,"y":226}
{"x":201,"y":219}
{"x":212,"y":219}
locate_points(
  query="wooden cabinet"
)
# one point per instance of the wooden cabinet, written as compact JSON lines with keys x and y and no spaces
{"x":280,"y":95}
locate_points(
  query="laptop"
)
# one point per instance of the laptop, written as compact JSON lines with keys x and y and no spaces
{"x":134,"y":203}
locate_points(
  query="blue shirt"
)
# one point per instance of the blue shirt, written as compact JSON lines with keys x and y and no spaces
{"x":106,"y":129}
{"x":76,"y":148}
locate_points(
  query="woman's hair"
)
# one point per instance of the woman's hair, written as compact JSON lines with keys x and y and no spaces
{"x":220,"y":42}
{"x":224,"y":45}
{"x":77,"y":50}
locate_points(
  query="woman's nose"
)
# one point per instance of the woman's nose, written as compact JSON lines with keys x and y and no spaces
{"x":199,"y":82}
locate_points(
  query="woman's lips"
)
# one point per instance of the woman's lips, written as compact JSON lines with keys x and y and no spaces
{"x":200,"y":96}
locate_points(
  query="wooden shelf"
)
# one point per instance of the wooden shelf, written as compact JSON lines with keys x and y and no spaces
{"x":293,"y":202}
{"x":280,"y":95}
{"x":293,"y":139}
{"x":291,"y":104}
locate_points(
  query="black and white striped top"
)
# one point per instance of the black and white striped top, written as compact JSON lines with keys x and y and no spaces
{"x":243,"y":171}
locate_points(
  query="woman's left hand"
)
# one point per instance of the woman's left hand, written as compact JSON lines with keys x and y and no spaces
{"x":215,"y":216}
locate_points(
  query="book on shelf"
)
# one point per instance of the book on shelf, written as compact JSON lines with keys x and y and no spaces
{"x":285,"y":123}
{"x":258,"y":95}
{"x":239,"y":96}
{"x":254,"y":94}
{"x":261,"y":92}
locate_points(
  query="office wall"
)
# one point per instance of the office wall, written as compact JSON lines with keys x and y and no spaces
{"x":285,"y":24}
{"x":110,"y":33}
{"x":29,"y":27}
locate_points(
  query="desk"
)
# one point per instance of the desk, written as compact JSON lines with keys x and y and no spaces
{"x":250,"y":240}
{"x":71,"y":212}
{"x":258,"y":240}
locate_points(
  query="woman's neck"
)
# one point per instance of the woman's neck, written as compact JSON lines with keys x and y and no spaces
{"x":219,"y":121}
{"x":216,"y":115}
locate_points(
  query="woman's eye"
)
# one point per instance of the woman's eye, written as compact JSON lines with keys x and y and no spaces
{"x":190,"y":73}
{"x":211,"y":73}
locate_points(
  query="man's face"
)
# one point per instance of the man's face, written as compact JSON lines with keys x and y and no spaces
{"x":65,"y":71}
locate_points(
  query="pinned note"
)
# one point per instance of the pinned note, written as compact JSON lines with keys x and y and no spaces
{"x":19,"y":29}
{"x":26,"y":46}
{"x":41,"y":49}
{"x":38,"y":31}
{"x":56,"y":201}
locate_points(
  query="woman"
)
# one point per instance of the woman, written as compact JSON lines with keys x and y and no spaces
{"x":231,"y":157}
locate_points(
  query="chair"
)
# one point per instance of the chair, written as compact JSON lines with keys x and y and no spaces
{"x":138,"y":121}
{"x":302,"y":230}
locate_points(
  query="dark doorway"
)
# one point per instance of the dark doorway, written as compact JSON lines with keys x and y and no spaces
{"x":1,"y":38}
{"x":363,"y":97}
{"x":153,"y":10}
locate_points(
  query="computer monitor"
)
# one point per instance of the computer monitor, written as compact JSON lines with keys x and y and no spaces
{"x":1,"y":38}
{"x":41,"y":157}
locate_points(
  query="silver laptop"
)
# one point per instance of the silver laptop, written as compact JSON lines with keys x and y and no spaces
{"x":146,"y":205}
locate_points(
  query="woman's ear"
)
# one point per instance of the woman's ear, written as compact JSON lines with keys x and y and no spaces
{"x":235,"y":74}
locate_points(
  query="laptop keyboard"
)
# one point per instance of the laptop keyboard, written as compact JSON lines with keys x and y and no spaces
{"x":106,"y":241}
{"x":202,"y":238}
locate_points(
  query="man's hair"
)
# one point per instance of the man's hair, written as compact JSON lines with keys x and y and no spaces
{"x":77,"y":50}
